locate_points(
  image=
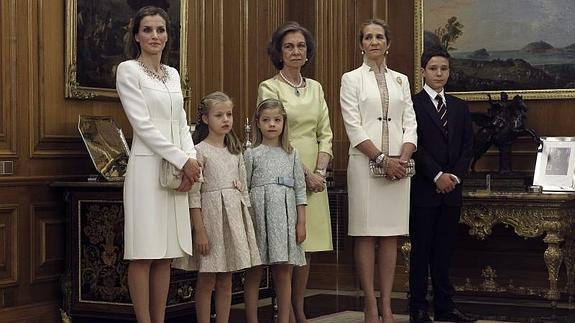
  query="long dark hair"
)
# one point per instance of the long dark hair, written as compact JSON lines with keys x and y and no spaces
{"x":133,"y":49}
{"x":231,"y":140}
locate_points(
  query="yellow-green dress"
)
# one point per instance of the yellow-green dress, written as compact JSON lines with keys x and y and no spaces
{"x":310,"y":133}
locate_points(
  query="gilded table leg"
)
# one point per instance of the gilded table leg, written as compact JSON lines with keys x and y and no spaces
{"x":553,"y":259}
{"x":65,"y":317}
{"x":569,"y":259}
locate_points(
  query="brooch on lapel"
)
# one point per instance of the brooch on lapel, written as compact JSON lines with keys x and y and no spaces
{"x":398,"y":79}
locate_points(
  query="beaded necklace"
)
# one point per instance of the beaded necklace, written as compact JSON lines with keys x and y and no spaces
{"x":162,"y":78}
{"x":295,"y":86}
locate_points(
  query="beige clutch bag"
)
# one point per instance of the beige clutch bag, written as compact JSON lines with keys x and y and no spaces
{"x":170,"y":176}
{"x":378,"y":170}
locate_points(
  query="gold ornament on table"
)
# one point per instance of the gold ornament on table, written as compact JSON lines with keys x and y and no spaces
{"x":247,"y":134}
{"x":489,"y":275}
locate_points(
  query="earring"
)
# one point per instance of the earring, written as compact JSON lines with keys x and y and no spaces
{"x":362,"y":52}
{"x":306,"y":59}
{"x":387,"y":52}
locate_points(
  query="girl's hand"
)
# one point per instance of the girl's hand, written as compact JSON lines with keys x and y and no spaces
{"x":395,"y":169}
{"x":186,"y":185}
{"x":192,"y":170}
{"x":201,"y":241}
{"x":300,"y":233}
{"x":314,"y":182}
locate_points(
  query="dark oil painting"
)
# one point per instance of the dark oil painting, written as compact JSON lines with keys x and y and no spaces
{"x":102,"y":29}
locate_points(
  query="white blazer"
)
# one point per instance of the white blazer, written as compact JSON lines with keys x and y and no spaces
{"x":361,"y":109}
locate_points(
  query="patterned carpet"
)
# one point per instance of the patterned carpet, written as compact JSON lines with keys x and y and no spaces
{"x":357,"y":317}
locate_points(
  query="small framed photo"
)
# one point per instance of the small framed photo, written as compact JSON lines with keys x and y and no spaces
{"x":555,"y":166}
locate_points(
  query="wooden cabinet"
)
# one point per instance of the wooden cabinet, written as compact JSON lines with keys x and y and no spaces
{"x":95,"y":281}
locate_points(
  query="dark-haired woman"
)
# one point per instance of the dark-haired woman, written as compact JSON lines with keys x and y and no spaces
{"x":157,"y":220}
{"x":380,"y":124}
{"x":290,"y":48}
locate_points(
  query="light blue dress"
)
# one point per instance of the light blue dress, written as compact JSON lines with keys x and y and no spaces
{"x":277,"y":185}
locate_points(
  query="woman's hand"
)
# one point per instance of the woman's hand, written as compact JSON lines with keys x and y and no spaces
{"x":201,"y":241}
{"x":314,"y":182}
{"x":192,"y":169}
{"x":300,"y":233}
{"x":396,"y":169}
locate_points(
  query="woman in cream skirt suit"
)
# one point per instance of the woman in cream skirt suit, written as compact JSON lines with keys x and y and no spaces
{"x":380,"y":123}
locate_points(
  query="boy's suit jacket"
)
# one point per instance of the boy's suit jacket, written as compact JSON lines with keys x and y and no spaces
{"x":438,"y":150}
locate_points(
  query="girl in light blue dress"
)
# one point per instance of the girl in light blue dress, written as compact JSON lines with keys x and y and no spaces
{"x":276,"y":181}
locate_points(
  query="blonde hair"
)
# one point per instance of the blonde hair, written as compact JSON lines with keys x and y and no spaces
{"x":231,"y":140}
{"x":284,"y":136}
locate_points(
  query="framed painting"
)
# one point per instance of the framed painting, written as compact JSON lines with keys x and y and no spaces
{"x":524,"y":47}
{"x":555,"y":165}
{"x":96,"y":32}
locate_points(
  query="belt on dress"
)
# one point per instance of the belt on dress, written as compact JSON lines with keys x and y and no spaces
{"x":282,"y":180}
{"x":215,"y":189}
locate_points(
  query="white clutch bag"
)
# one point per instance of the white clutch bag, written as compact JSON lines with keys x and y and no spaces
{"x":170,"y":176}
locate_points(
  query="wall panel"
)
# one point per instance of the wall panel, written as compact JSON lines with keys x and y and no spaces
{"x":8,"y":143}
{"x":8,"y":244}
{"x":48,"y":248}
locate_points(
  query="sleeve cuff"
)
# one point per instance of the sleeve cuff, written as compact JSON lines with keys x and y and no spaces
{"x":437,"y":176}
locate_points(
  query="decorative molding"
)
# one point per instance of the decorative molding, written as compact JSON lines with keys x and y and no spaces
{"x":8,"y":244}
{"x":43,"y":145}
{"x":47,"y":250}
{"x":8,"y":135}
{"x":334,"y":26}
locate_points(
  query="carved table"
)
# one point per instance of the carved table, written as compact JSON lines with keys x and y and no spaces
{"x":95,"y":282}
{"x":550,"y":216}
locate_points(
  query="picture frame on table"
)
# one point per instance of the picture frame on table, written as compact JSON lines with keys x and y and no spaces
{"x":555,"y":165}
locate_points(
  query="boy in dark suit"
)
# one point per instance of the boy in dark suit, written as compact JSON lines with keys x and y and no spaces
{"x":444,"y":150}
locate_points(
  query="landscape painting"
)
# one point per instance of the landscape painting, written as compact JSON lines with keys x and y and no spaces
{"x":525,"y":47}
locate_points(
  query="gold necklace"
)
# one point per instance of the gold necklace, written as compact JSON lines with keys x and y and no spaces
{"x":162,"y":78}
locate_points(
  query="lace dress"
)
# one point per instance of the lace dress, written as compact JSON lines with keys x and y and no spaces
{"x":274,"y":202}
{"x":224,"y":201}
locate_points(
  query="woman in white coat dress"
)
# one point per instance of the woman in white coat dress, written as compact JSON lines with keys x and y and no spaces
{"x":380,"y":123}
{"x":157,"y":220}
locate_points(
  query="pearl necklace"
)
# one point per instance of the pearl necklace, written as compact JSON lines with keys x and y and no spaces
{"x":295,"y":86}
{"x":153,"y":75}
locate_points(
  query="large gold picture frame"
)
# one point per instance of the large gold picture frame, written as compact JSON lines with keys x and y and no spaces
{"x":526,"y":48}
{"x":95,"y":36}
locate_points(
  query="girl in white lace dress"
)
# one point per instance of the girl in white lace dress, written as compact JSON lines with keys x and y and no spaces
{"x":224,"y":238}
{"x":276,"y":181}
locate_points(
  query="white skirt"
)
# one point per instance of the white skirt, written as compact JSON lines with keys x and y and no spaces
{"x":377,"y":206}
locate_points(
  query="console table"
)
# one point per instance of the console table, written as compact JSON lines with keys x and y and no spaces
{"x":550,"y":216}
{"x":95,"y":282}
{"x":531,"y":215}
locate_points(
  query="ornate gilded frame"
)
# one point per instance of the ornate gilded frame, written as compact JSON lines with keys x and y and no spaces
{"x":479,"y":94}
{"x":75,"y":89}
{"x":555,"y":165}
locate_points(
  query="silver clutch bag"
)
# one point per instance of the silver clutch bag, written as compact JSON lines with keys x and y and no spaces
{"x":170,"y":176}
{"x":378,"y":170}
